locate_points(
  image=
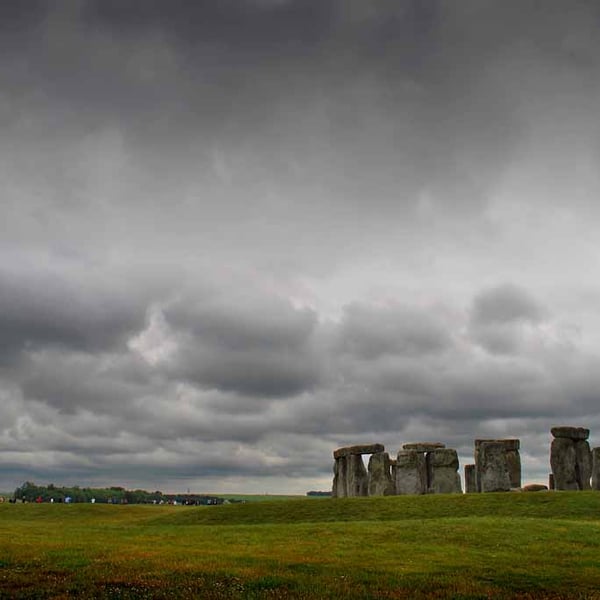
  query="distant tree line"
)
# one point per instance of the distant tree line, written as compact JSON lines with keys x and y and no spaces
{"x":318,"y":493}
{"x":30,"y":492}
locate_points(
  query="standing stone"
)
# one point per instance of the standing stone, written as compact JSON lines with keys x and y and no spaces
{"x":335,"y":493}
{"x":513,"y":463}
{"x":583,"y":467}
{"x":596,"y":469}
{"x":470,"y":479}
{"x":340,"y":477}
{"x":411,"y":472}
{"x":393,"y":472}
{"x":380,"y":478}
{"x":563,"y":460}
{"x":551,"y":481}
{"x":570,"y":458}
{"x":358,"y":479}
{"x":493,"y":467}
{"x":442,"y":471}
{"x":513,"y":460}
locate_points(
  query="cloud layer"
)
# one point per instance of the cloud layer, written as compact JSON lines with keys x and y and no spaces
{"x":237,"y":235}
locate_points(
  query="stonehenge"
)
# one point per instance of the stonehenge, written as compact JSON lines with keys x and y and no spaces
{"x":430,"y":468}
{"x":423,"y":468}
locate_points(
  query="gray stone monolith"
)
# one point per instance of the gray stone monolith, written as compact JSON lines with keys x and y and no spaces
{"x":340,"y":477}
{"x":380,"y":477}
{"x":470,"y":479}
{"x":335,"y":492}
{"x":442,"y":472}
{"x":493,"y":467}
{"x":596,"y":469}
{"x":571,"y":458}
{"x":563,"y":460}
{"x":358,"y":478}
{"x":583,"y":469}
{"x":513,"y":460}
{"x":411,"y":472}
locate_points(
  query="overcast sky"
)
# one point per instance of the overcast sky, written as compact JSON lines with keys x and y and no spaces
{"x":238,"y":234}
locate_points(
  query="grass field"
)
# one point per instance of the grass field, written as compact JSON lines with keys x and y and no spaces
{"x":542,"y":545}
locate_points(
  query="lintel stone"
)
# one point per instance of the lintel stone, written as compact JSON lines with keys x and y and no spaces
{"x":508,"y":443}
{"x":572,"y":433}
{"x":423,"y":446}
{"x":360,"y":449}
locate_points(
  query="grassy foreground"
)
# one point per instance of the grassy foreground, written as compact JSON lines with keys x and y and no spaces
{"x":541,"y":545}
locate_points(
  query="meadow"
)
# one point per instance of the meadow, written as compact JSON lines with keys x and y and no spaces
{"x":528,"y":545}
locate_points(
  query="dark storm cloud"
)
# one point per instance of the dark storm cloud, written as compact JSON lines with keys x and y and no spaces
{"x":376,"y":103}
{"x":39,"y":308}
{"x":505,"y":304}
{"x":253,"y":346}
{"x":503,"y":317}
{"x":370,"y":332}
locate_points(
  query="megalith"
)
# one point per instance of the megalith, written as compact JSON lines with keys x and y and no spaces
{"x":350,"y":478}
{"x":596,"y":469}
{"x":571,"y":458}
{"x":380,"y":477}
{"x":493,"y":467}
{"x":423,"y":446}
{"x":442,"y":472}
{"x":470,"y":479}
{"x":512,"y":458}
{"x":411,"y":472}
{"x":358,"y":478}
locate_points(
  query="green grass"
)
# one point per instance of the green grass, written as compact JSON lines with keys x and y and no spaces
{"x":257,"y":497}
{"x":544,"y":545}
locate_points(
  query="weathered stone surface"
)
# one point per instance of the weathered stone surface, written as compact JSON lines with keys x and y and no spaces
{"x":596,"y":469}
{"x":551,"y":481}
{"x":443,"y":457}
{"x":442,"y":472}
{"x":470,"y":479}
{"x":360,"y":449}
{"x":358,"y":479}
{"x":513,"y":459}
{"x":380,"y":478}
{"x":336,"y":480}
{"x":583,"y":467}
{"x":493,"y":467}
{"x":508,"y":443}
{"x":571,"y":433}
{"x":513,"y":462}
{"x":423,"y":446}
{"x":340,"y":478}
{"x":563,"y":460}
{"x":411,"y":472}
{"x":535,"y":487}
